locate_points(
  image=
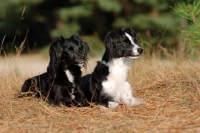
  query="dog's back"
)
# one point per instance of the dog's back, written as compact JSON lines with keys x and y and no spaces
{"x":91,"y":84}
{"x":86,"y":85}
{"x":38,"y":84}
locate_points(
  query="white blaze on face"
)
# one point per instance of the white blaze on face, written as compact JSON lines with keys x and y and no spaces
{"x":135,"y":46}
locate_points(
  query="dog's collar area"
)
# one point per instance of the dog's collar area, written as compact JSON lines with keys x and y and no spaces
{"x":104,"y":62}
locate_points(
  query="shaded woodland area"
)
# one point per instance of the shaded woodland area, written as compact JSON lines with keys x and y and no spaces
{"x":43,"y":20}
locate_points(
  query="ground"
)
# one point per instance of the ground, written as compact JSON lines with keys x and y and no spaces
{"x":169,"y":89}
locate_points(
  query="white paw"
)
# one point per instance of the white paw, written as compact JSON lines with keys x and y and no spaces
{"x":132,"y":102}
{"x":72,"y":97}
{"x":102,"y":107}
{"x":112,"y":105}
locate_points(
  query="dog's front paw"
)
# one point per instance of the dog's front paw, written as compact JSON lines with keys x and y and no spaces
{"x":112,"y":105}
{"x":133,"y":102}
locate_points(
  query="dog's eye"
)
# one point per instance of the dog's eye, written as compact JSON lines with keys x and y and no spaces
{"x":71,"y":50}
{"x":126,"y":43}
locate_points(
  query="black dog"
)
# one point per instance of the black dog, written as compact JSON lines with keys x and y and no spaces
{"x":108,"y":84}
{"x":61,"y":83}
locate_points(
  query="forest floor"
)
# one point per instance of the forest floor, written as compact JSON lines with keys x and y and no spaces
{"x":169,"y":89}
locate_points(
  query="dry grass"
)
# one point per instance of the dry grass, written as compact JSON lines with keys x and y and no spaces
{"x":169,"y":89}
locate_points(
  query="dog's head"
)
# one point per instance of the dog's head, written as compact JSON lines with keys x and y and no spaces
{"x":68,"y":51}
{"x":122,"y":43}
{"x":75,"y":51}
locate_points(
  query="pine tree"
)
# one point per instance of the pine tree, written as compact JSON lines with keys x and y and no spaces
{"x":190,"y":11}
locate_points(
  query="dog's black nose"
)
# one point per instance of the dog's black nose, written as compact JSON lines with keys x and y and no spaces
{"x":140,"y":50}
{"x":82,"y":57}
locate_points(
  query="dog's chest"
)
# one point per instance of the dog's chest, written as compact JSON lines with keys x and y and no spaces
{"x":70,"y":77}
{"x":117,"y":76}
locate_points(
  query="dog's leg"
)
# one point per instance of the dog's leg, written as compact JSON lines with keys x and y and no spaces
{"x":56,"y":95}
{"x":107,"y":101}
{"x":68,"y":102}
{"x":57,"y":101}
{"x":112,"y":105}
{"x":127,"y":96}
{"x":80,"y":98}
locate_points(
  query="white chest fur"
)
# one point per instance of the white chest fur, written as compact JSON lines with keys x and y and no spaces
{"x":116,"y":84}
{"x":71,"y":79}
{"x":118,"y":69}
{"x":69,"y":76}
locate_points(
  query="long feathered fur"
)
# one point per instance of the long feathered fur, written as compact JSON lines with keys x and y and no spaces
{"x":61,"y":83}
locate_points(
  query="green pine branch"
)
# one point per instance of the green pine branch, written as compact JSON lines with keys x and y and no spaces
{"x":190,"y":11}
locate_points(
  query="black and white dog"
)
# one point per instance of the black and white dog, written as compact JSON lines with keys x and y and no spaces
{"x":107,"y":85}
{"x":61,"y":83}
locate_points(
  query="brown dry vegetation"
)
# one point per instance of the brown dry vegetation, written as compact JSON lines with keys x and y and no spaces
{"x":169,"y":90}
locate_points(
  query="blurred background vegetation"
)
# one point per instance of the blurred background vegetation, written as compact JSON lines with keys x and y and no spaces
{"x":43,"y":20}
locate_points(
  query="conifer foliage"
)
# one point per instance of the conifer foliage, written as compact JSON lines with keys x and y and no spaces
{"x":190,"y":11}
{"x":153,"y":20}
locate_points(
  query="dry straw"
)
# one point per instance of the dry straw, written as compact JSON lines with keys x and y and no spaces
{"x":169,"y":90}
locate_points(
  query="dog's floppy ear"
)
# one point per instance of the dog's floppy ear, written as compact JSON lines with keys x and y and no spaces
{"x":55,"y":53}
{"x":75,"y":37}
{"x":86,"y":50}
{"x":61,"y":39}
{"x":109,"y":42}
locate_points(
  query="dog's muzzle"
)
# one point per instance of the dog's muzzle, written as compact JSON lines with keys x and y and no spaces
{"x":140,"y":50}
